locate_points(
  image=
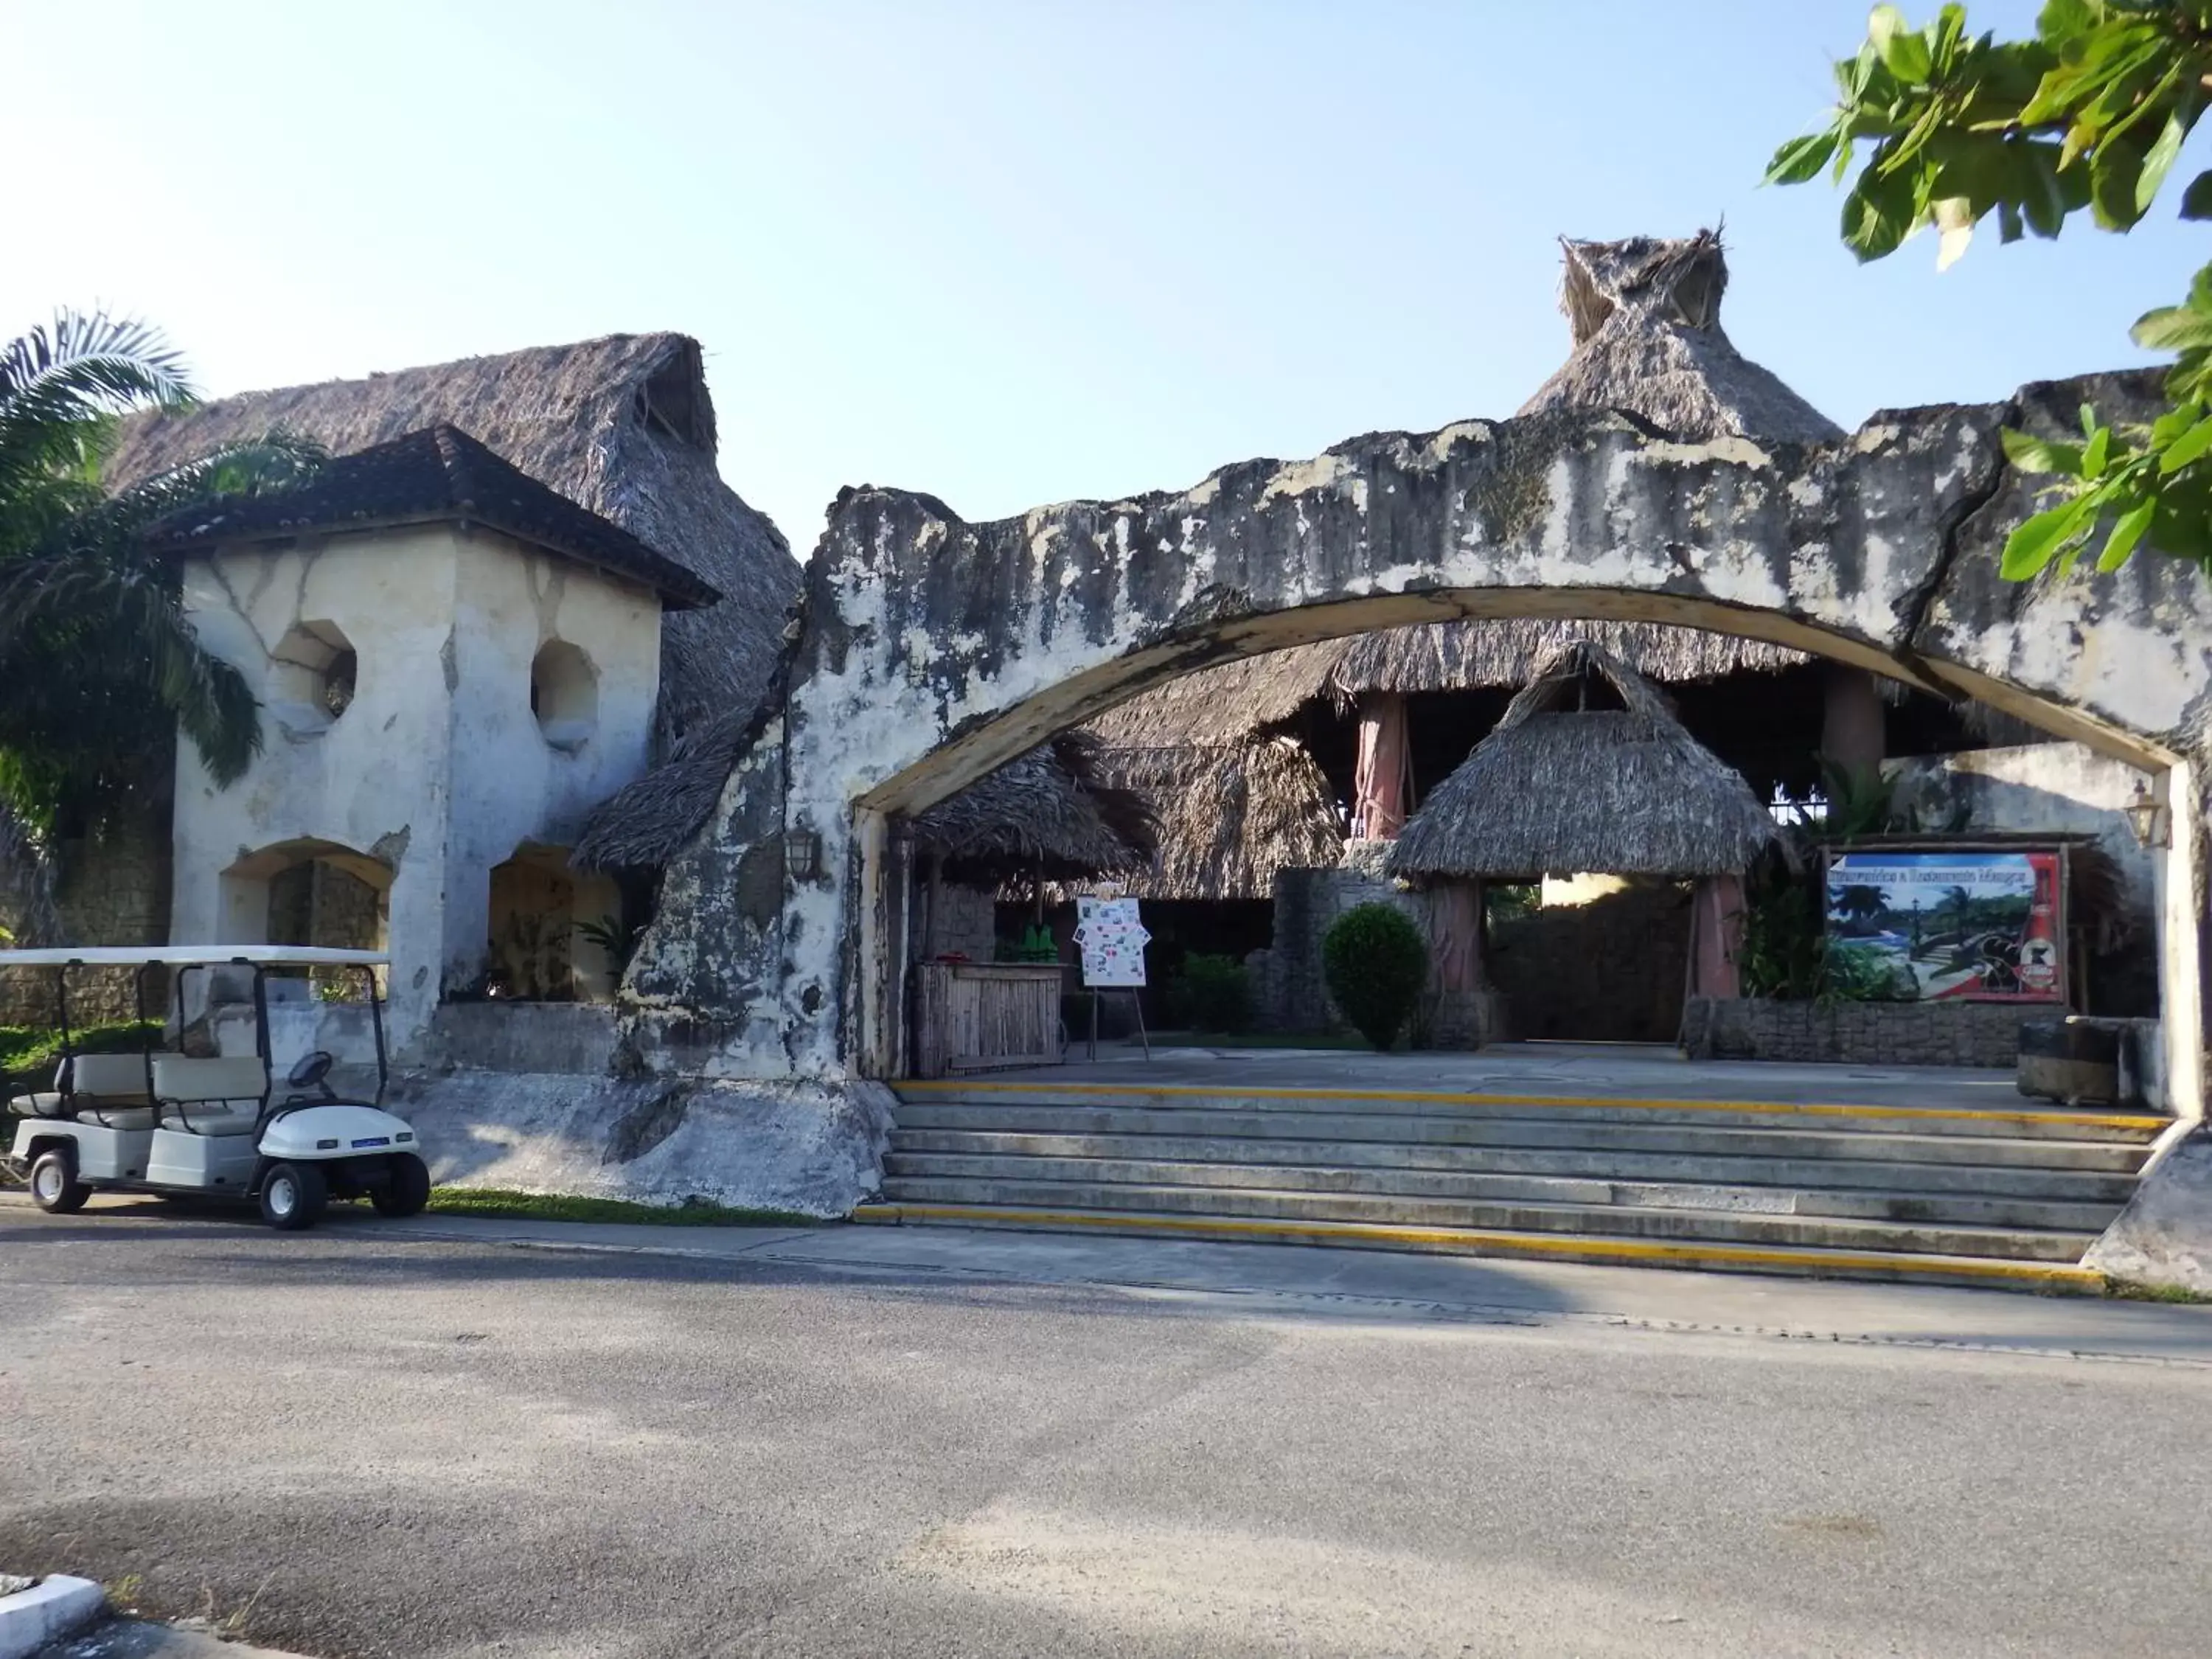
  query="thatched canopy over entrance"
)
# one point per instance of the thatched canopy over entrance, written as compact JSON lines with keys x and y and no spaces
{"x":622,"y":426}
{"x":1560,"y":787}
{"x":1645,"y":313}
{"x":1051,"y":811}
{"x":1229,"y":815}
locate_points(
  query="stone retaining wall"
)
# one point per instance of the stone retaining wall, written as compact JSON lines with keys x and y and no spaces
{"x":1977,"y":1034}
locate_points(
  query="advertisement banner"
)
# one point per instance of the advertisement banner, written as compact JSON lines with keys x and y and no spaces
{"x":1962,"y":927}
{"x":1112,"y":940}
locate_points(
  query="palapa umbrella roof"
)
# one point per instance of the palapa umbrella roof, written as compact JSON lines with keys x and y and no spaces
{"x":1558,"y":789}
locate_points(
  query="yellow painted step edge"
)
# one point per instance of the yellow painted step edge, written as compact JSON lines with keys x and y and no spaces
{"x":1676,"y":1253}
{"x":1966,"y":1114}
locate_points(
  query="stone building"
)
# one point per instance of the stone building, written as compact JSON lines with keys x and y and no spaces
{"x":502,"y":601}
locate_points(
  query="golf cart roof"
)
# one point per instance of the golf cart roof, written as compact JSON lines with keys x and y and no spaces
{"x":192,"y":956}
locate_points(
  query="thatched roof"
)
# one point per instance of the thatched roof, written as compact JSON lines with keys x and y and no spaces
{"x":1236,"y":700}
{"x":1230,"y":815}
{"x":1222,"y":704}
{"x":1556,"y":790}
{"x":1053,"y":810}
{"x":1645,"y":316}
{"x":622,"y":426}
{"x":1460,"y":656}
{"x":643,"y":824}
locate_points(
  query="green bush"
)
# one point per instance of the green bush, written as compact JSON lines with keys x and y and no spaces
{"x":1376,"y":962}
{"x":1212,"y":993}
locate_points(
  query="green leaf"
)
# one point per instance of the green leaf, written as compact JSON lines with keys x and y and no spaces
{"x":1800,"y":159}
{"x":2039,"y":539}
{"x":2035,"y":455}
{"x":2009,"y":228}
{"x":1878,"y":214}
{"x":2095,"y":453}
{"x":2115,"y":172}
{"x":2196,"y":200}
{"x":2126,"y":532}
{"x":1903,"y":51}
{"x":2158,"y":160}
{"x":2173,"y":328}
{"x":2086,"y":413}
{"x":2189,"y":447}
{"x":2061,"y":20}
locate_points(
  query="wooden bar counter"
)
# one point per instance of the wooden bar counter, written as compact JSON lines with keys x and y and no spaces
{"x":986,"y":1016}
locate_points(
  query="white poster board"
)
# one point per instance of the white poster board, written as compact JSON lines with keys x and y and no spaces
{"x":1112,"y":939}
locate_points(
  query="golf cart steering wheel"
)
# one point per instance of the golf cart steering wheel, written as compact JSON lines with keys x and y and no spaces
{"x":310,"y":1070}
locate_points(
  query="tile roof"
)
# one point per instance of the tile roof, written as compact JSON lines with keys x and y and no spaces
{"x":439,"y":472}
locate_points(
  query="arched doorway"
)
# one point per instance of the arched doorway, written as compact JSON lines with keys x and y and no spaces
{"x":932,"y":650}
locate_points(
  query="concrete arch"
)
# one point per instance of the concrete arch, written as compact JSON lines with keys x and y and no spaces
{"x":931,"y":650}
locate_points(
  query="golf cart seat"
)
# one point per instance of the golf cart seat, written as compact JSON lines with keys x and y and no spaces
{"x":107,"y":1090}
{"x":210,"y":1097}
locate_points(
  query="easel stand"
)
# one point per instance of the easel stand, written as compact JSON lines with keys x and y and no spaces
{"x":1136,"y":1007}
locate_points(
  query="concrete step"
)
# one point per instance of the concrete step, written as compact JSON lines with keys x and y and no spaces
{"x":1704,"y":1134}
{"x":1284,"y":1104}
{"x":1705,"y":1158}
{"x":1609,"y":1249}
{"x":1648,"y":1221}
{"x":903,"y":1170}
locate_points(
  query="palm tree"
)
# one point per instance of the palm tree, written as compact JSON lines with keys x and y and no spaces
{"x":100,"y":667}
{"x":1858,"y":902}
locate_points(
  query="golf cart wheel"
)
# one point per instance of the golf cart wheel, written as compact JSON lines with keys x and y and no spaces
{"x":293,"y":1196}
{"x":54,"y":1186}
{"x":407,"y":1191}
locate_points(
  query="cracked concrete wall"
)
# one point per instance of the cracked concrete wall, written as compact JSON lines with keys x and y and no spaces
{"x":932,"y":650}
{"x":705,"y":984}
{"x":437,"y":770}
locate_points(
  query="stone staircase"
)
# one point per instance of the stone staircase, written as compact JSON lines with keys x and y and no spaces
{"x":1927,"y":1194}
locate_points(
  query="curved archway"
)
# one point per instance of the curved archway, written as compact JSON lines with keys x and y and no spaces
{"x":932,"y":650}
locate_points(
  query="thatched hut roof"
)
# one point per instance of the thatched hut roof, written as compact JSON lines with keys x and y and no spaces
{"x":1230,"y":815}
{"x":1556,"y":790}
{"x":1645,"y":313}
{"x":622,"y":426}
{"x":1053,"y":808}
{"x":1236,"y":700}
{"x":1461,"y":656}
{"x":644,"y":823}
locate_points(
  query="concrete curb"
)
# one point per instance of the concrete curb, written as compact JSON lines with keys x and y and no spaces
{"x":53,"y":1607}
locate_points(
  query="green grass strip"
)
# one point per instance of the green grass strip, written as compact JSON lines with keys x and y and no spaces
{"x":500,"y":1204}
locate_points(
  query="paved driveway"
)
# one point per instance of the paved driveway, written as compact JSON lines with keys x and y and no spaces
{"x":365,"y":1443}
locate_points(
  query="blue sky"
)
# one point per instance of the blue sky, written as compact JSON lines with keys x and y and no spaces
{"x":1007,"y":253}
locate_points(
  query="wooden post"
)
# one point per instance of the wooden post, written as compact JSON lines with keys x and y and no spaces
{"x":1384,"y":779}
{"x":932,"y":906}
{"x":1853,"y":734}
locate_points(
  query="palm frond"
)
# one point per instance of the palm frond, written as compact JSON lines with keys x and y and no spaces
{"x":98,"y":361}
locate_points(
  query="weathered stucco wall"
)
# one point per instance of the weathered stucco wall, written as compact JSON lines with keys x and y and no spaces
{"x":932,"y":649}
{"x":2067,"y":789}
{"x":438,"y":769}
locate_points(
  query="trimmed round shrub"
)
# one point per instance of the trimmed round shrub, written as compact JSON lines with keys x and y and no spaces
{"x":1376,"y":963}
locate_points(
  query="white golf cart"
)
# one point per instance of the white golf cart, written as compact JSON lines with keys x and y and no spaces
{"x":161,"y":1121}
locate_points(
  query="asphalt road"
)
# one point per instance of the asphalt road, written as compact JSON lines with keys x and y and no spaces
{"x":354,"y":1445}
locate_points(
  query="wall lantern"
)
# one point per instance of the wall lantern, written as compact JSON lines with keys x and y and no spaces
{"x":2146,"y":817}
{"x":802,"y":854}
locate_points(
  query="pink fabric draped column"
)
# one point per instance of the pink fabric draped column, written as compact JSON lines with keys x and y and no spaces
{"x":1384,"y":776}
{"x":1455,"y":935}
{"x":1717,"y":937}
